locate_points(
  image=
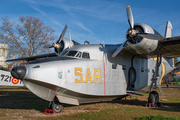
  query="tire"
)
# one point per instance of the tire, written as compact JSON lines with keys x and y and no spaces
{"x":153,"y":97}
{"x":56,"y":106}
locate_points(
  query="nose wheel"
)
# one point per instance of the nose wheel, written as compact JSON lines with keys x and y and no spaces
{"x":56,"y":106}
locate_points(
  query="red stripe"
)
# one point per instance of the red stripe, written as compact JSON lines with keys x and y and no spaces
{"x":104,"y":81}
{"x":54,"y":93}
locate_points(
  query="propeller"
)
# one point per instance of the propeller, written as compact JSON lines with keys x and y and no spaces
{"x":62,"y":34}
{"x":119,"y":49}
{"x":48,"y":46}
{"x":133,"y":32}
{"x":58,"y":46}
{"x":130,"y":16}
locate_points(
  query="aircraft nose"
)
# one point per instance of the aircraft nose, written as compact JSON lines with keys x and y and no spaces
{"x":18,"y":72}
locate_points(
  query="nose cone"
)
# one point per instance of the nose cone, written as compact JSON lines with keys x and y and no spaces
{"x":18,"y":72}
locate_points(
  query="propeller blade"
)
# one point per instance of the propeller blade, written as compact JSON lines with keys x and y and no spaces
{"x":48,"y":46}
{"x":130,"y":16}
{"x":150,"y":36}
{"x":62,"y":34}
{"x":119,"y":49}
{"x":70,"y":35}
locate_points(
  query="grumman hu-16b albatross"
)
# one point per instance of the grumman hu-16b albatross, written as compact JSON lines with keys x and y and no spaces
{"x":99,"y":72}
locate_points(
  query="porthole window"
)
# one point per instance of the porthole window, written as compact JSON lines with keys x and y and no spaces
{"x":85,"y":55}
{"x":142,"y":69}
{"x":114,"y":66}
{"x":124,"y":67}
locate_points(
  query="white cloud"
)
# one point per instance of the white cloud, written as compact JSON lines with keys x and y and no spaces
{"x":94,"y":16}
{"x":83,"y":27}
{"x":40,"y":11}
{"x":57,"y":23}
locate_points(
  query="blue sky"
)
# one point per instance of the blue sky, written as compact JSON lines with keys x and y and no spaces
{"x":95,"y":20}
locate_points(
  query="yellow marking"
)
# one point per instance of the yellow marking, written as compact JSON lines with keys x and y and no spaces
{"x":15,"y":80}
{"x":97,"y":77}
{"x":113,"y":56}
{"x":162,"y":38}
{"x":66,"y":25}
{"x":163,"y":72}
{"x":127,"y":6}
{"x":88,"y":76}
{"x":78,"y":74}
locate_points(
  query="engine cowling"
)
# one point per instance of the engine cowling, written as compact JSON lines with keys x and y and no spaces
{"x":65,"y":43}
{"x":140,"y":44}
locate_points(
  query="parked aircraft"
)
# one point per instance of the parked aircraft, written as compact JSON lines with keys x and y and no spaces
{"x":7,"y":80}
{"x":101,"y":72}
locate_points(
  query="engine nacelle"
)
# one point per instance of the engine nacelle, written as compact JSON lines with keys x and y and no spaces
{"x":140,"y":44}
{"x":65,"y":43}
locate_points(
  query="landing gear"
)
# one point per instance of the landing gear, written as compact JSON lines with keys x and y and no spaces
{"x":153,"y":99}
{"x":55,"y":106}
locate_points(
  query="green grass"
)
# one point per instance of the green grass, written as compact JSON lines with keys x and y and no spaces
{"x":157,"y":117}
{"x":20,"y":103}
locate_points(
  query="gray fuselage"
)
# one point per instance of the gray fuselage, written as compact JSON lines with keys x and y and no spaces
{"x":96,"y":77}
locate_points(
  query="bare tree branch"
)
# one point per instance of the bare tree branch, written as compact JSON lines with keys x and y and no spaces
{"x":26,"y":38}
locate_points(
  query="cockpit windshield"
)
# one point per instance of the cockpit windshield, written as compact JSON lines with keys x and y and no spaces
{"x":71,"y":53}
{"x":64,"y":53}
{"x":75,"y":54}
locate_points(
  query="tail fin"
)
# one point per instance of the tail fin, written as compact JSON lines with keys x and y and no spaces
{"x":168,"y":32}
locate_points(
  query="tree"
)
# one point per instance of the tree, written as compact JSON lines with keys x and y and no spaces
{"x":26,"y":37}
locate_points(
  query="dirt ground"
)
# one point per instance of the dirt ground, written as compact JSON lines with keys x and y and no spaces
{"x":20,"y":103}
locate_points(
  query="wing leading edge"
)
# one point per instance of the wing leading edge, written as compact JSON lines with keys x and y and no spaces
{"x":33,"y":57}
{"x":168,"y":47}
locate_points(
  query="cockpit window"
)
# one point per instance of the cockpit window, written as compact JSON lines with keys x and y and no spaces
{"x":71,"y":53}
{"x":64,"y":53}
{"x":77,"y":54}
{"x":85,"y":55}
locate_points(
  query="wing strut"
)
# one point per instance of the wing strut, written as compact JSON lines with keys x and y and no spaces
{"x":156,"y":74}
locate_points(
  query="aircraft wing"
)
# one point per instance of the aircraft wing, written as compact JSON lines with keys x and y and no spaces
{"x":33,"y":57}
{"x":168,"y":47}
